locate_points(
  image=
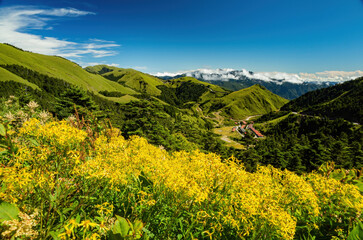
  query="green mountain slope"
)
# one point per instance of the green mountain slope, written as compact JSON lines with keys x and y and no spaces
{"x":187,"y":89}
{"x":60,"y":68}
{"x":249,"y":101}
{"x":131,"y":78}
{"x":5,"y":75}
{"x":342,"y":100}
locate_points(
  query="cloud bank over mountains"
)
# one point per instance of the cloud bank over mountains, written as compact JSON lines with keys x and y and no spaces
{"x":227,"y":74}
{"x":16,"y":22}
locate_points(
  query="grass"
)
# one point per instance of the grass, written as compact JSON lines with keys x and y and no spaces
{"x":266,"y":125}
{"x":131,"y":78}
{"x":5,"y":75}
{"x":123,"y":99}
{"x":254,"y":100}
{"x":59,"y":68}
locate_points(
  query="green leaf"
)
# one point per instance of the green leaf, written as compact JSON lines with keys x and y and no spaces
{"x":121,"y":227}
{"x":8,"y":212}
{"x":2,"y":130}
{"x":356,"y":233}
{"x":78,"y":218}
{"x":55,"y":235}
{"x":138,"y":225}
{"x":4,"y":152}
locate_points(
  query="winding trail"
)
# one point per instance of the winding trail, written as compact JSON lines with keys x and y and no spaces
{"x":249,"y":117}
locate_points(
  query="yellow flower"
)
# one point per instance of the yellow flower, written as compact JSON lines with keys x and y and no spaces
{"x":87,"y":224}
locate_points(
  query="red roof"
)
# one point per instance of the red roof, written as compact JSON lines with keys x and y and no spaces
{"x":258,"y":134}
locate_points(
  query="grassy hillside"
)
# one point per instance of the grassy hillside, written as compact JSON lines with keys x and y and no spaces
{"x":342,"y":100}
{"x":131,"y":78}
{"x":249,"y":101}
{"x":187,"y":89}
{"x":60,"y":68}
{"x":5,"y":76}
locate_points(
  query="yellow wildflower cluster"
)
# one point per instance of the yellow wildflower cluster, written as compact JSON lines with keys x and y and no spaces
{"x":220,"y":197}
{"x":72,"y":225}
{"x":330,"y":191}
{"x":90,"y":229}
{"x":243,"y":199}
{"x":57,"y":133}
{"x":16,"y":183}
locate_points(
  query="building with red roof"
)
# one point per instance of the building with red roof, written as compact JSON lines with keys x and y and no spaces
{"x":257,"y":133}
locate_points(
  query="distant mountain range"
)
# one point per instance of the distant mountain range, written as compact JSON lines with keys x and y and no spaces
{"x":287,"y":85}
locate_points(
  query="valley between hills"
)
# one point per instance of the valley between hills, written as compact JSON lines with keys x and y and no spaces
{"x":177,"y":158}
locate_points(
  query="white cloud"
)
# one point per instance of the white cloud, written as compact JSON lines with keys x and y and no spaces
{"x":15,"y":23}
{"x":278,"y":77}
{"x":168,"y":74}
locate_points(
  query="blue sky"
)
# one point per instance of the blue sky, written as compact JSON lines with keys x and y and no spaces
{"x":173,"y":35}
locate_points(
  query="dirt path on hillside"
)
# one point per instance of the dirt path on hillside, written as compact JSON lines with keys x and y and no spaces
{"x":249,"y":117}
{"x":226,"y":139}
{"x":223,"y":132}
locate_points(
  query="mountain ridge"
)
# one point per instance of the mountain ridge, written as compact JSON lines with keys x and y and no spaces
{"x":57,"y":67}
{"x":254,"y":100}
{"x":129,"y":77}
{"x":341,"y":100}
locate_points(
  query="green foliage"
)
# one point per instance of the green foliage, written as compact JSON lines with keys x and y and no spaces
{"x":124,"y":229}
{"x":302,"y":144}
{"x":75,"y":99}
{"x":357,"y":232}
{"x":165,"y":125}
{"x":185,"y":92}
{"x":111,"y":94}
{"x":2,"y":130}
{"x":8,"y":212}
